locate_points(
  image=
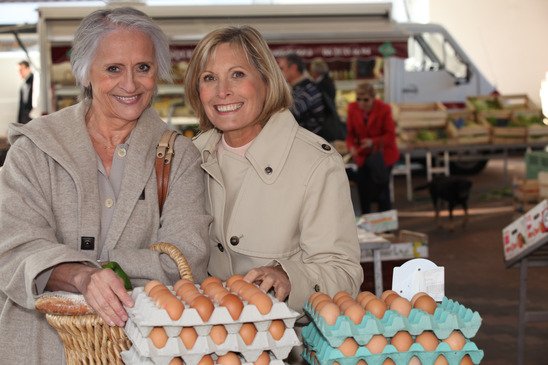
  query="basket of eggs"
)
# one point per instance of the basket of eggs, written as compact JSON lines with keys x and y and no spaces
{"x":85,"y":336}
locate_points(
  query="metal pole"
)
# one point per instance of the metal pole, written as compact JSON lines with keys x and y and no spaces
{"x":522,"y":309}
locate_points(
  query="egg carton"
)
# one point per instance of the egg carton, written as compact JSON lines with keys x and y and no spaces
{"x":319,"y":352}
{"x":146,"y":314}
{"x":174,"y":346}
{"x":133,"y":357}
{"x":448,"y":316}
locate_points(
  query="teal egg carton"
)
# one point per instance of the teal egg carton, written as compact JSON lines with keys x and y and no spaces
{"x":448,"y":316}
{"x":319,"y":352}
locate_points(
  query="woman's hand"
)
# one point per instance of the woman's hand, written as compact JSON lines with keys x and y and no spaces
{"x":268,"y":277}
{"x":103,"y":290}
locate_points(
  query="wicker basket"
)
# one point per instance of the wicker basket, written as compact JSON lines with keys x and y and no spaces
{"x":85,"y":337}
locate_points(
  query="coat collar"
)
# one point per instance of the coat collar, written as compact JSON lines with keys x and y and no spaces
{"x":267,"y":154}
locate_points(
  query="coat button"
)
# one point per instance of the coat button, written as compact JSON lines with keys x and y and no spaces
{"x":326,"y":147}
{"x":221,"y":248}
{"x":234,"y":240}
{"x":268,"y":170}
{"x":316,"y":288}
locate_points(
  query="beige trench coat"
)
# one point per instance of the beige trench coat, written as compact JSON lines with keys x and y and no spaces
{"x":294,"y":208}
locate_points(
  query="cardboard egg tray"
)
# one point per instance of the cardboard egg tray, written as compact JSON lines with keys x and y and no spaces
{"x":448,"y":316}
{"x":146,"y":315}
{"x":132,"y":357}
{"x":263,"y":341}
{"x":319,"y":351}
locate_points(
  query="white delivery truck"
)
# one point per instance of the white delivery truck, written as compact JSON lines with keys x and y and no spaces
{"x":420,"y":62}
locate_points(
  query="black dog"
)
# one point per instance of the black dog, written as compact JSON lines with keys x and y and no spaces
{"x":452,"y":189}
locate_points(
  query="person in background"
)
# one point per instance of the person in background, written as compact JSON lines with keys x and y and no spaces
{"x":79,"y":189}
{"x":319,"y":70}
{"x":308,"y":107}
{"x":279,"y":194}
{"x":370,"y":126}
{"x":26,"y":93}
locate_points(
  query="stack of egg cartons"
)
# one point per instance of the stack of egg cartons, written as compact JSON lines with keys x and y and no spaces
{"x":359,"y":333}
{"x":208,"y":329}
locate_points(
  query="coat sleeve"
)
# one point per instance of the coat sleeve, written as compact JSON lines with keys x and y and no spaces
{"x":28,"y":241}
{"x":329,"y":242}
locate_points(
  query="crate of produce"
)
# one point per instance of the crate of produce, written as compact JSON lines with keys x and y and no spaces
{"x":516,"y":102}
{"x":424,"y":137}
{"x":535,"y":162}
{"x":504,"y":129}
{"x":532,"y":120}
{"x":483,"y":103}
{"x":420,"y":115}
{"x":464,"y":128}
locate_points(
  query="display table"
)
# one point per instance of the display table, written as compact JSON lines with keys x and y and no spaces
{"x":374,"y":243}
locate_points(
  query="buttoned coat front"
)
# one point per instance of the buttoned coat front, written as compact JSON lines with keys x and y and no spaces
{"x":49,"y":200}
{"x":293,"y":208}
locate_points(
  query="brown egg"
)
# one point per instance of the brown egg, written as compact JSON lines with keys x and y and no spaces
{"x":386,"y":293}
{"x":320,"y":298}
{"x":180,"y":282}
{"x":213,"y":289}
{"x":237,"y":285}
{"x":377,"y":307}
{"x":176,"y":361}
{"x":376,"y":344}
{"x":320,"y":305}
{"x":416,"y":296}
{"x":158,"y":336}
{"x":355,"y":312}
{"x":189,"y":296}
{"x":347,"y":303}
{"x":362,"y":295}
{"x":466,"y":360}
{"x":188,"y":336}
{"x":218,"y":297}
{"x":263,"y":359}
{"x":455,"y":340}
{"x":174,"y":307}
{"x":390,"y":297}
{"x":341,"y":294}
{"x":210,"y":280}
{"x":206,"y":360}
{"x":388,"y":362}
{"x":426,"y":303}
{"x":349,"y":347}
{"x":232,"y":279}
{"x":203,"y":306}
{"x":246,"y":292}
{"x":151,"y":284}
{"x":248,"y":332}
{"x":402,"y":341}
{"x":427,"y":340}
{"x":401,"y":305}
{"x":218,"y":334}
{"x":157,"y":290}
{"x":262,"y":301}
{"x":185,"y":290}
{"x":277,"y":329}
{"x":330,"y":312}
{"x":441,"y":360}
{"x":314,"y":296}
{"x":233,"y":304}
{"x":230,"y":358}
{"x":366,"y":299}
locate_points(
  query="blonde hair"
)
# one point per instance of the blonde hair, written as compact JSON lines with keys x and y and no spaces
{"x":365,"y":88}
{"x":251,"y":42}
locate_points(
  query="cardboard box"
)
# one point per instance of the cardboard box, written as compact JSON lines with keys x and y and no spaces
{"x":513,"y":238}
{"x":536,"y":223}
{"x":405,"y":245}
{"x":379,"y":222}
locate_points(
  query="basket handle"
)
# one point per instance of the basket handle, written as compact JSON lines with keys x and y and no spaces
{"x":72,"y":304}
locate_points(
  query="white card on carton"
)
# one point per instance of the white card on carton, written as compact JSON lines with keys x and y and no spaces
{"x":419,"y":275}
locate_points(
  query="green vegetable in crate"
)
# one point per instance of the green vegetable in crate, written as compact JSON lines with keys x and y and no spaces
{"x":498,"y":122}
{"x":481,"y":104}
{"x":114,"y":266}
{"x":427,"y":135}
{"x":522,"y":120}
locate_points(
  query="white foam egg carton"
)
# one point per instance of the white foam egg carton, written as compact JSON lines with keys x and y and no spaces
{"x":174,"y":346}
{"x":146,"y":315}
{"x":132,"y":357}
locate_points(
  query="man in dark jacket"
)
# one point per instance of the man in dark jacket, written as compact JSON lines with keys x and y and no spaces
{"x":308,"y":107}
{"x":25,"y":93}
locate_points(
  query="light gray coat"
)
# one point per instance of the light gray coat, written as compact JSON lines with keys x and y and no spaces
{"x":293,"y":208}
{"x":49,"y":199}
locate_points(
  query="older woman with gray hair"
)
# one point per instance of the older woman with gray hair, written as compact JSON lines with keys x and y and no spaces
{"x":78,"y":189}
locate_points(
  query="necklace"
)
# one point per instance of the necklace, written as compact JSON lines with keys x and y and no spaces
{"x":102,"y":144}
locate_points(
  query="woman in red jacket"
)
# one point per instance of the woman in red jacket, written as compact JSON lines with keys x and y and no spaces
{"x":370,"y":127}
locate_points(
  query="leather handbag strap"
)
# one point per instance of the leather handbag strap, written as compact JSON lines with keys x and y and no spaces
{"x":164,"y":153}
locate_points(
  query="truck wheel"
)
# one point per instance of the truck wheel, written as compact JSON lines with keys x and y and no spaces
{"x":467,"y":167}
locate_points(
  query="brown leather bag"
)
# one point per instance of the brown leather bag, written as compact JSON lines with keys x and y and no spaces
{"x":164,"y":153}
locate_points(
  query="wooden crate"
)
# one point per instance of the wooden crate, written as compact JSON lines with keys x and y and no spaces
{"x":483,"y":104}
{"x":537,"y":134}
{"x":516,"y":102}
{"x":410,"y":138}
{"x":419,"y":115}
{"x":474,"y":132}
{"x":508,"y":135}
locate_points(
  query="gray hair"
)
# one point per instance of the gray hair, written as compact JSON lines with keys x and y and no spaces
{"x":95,"y":26}
{"x":319,"y":66}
